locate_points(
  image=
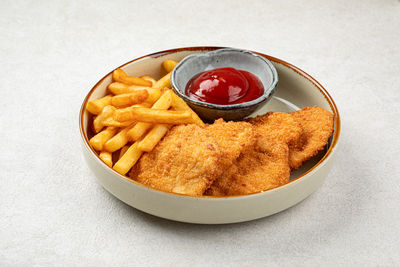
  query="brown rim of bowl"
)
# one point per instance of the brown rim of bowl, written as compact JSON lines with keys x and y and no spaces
{"x":210,"y":48}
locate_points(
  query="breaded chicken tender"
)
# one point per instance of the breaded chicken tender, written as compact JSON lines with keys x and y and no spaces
{"x":317,"y":125}
{"x":265,"y":165}
{"x":257,"y":169}
{"x":190,"y":158}
{"x":232,"y":137}
{"x":278,"y":127}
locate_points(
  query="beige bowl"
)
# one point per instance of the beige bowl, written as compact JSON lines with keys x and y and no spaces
{"x":295,"y":90}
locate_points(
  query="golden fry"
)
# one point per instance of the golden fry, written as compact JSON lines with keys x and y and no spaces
{"x":169,"y":65}
{"x":125,"y":100}
{"x":96,"y":106}
{"x":163,"y":82}
{"x":153,"y":137}
{"x":139,"y":130}
{"x":122,"y":151}
{"x":179,"y":104}
{"x":106,"y":157}
{"x":118,"y":140}
{"x":120,"y":76}
{"x":149,"y":78}
{"x":140,"y":114}
{"x":164,"y":102}
{"x":98,"y":141}
{"x":126,"y":162}
{"x":154,"y":95}
{"x":144,"y":105}
{"x":111,"y":122}
{"x":119,"y":88}
{"x":98,"y":122}
{"x":123,"y":115}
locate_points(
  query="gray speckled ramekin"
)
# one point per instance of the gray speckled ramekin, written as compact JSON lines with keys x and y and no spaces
{"x":221,"y":58}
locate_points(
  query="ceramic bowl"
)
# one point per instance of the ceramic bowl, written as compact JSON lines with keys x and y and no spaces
{"x":221,"y":58}
{"x":295,"y":90}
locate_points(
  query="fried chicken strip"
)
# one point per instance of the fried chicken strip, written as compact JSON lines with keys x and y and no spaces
{"x":317,"y":125}
{"x":265,"y":165}
{"x":190,"y":158}
{"x":232,"y":137}
{"x":255,"y":170}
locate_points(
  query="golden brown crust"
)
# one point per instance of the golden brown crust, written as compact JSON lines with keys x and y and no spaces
{"x":265,"y":165}
{"x":317,"y":125}
{"x":256,"y":169}
{"x":278,"y":127}
{"x":232,"y":137}
{"x":190,"y":158}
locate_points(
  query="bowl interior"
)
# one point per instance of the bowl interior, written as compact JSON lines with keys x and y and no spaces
{"x":294,"y":91}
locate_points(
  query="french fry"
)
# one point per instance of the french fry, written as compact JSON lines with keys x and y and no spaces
{"x":98,"y":141}
{"x":153,"y":137}
{"x":118,"y":140}
{"x":122,"y":151}
{"x":125,"y":100}
{"x":98,"y":122}
{"x":140,"y":114}
{"x":120,"y":76}
{"x":138,"y":130}
{"x":154,"y":95}
{"x":106,"y":157}
{"x":118,"y":88}
{"x":179,"y":104}
{"x":169,"y":65}
{"x":123,"y":115}
{"x":163,"y":82}
{"x":96,"y":106}
{"x":149,"y":78}
{"x":111,"y":122}
{"x":164,"y":102}
{"x":145,"y":105}
{"x":126,"y":162}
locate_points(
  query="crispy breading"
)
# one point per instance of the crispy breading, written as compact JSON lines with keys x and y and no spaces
{"x":232,"y":137}
{"x":259,"y":168}
{"x":174,"y":165}
{"x":190,"y":158}
{"x":265,"y":165}
{"x":278,"y":127}
{"x":317,"y":125}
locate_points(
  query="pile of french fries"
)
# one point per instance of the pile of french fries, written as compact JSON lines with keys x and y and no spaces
{"x":135,"y":116}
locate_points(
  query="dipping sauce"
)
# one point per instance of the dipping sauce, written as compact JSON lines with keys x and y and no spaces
{"x":224,"y":86}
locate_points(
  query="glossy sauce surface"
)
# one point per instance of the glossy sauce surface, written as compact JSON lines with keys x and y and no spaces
{"x":224,"y":86}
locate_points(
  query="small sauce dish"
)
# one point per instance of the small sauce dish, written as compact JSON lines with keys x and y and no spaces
{"x":223,"y":58}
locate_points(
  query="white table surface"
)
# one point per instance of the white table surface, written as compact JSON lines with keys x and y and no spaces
{"x":52,"y":210}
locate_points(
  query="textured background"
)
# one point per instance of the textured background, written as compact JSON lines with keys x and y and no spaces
{"x":53,"y":212}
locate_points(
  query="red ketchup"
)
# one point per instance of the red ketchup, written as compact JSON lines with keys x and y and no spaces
{"x":224,"y":86}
